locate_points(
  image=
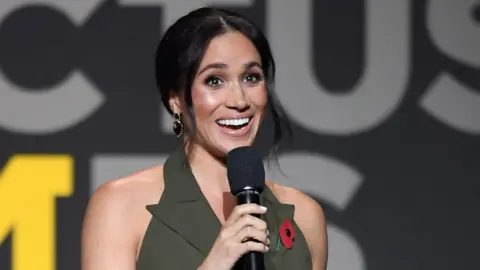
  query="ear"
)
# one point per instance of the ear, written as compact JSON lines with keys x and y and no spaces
{"x":174,"y":102}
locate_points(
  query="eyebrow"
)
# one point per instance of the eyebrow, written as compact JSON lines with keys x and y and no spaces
{"x":224,"y":66}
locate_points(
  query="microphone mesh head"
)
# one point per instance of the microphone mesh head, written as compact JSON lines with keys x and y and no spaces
{"x":245,"y":169}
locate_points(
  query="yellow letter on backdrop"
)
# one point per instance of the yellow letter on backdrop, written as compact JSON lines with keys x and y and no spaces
{"x":29,"y":185}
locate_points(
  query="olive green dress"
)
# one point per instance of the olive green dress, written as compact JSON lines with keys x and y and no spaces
{"x":184,"y":227}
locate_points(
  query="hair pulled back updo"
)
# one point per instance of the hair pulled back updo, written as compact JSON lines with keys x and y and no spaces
{"x":183,"y":46}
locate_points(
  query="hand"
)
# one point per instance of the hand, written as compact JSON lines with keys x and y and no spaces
{"x":232,"y":243}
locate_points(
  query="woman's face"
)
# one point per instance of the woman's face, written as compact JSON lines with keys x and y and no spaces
{"x":229,"y":94}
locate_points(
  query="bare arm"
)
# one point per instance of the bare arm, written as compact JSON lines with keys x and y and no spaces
{"x":311,"y":220}
{"x":108,"y":238}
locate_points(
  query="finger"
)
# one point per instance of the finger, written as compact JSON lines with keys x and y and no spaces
{"x":249,"y":221}
{"x":249,"y":233}
{"x":245,"y":209}
{"x":253,"y":246}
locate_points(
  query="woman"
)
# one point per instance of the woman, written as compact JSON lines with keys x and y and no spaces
{"x":215,"y":72}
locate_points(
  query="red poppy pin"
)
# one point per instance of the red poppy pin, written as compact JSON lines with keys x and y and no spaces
{"x":287,"y":234}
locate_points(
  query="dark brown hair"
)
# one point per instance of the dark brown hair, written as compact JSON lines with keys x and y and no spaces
{"x":182,"y":48}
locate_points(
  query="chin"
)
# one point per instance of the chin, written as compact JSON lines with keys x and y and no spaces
{"x":222,"y":148}
{"x":220,"y":143}
{"x":232,"y":146}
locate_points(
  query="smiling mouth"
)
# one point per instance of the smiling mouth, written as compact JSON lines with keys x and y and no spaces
{"x":234,"y":123}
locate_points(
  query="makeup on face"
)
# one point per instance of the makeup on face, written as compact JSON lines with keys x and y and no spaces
{"x":229,"y":93}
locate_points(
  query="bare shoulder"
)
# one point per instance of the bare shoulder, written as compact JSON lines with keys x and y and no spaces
{"x":304,"y":204}
{"x":116,"y":218}
{"x":143,"y":187}
{"x":310,"y":218}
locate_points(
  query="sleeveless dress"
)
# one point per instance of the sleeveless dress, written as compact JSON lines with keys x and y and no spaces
{"x":184,"y":227}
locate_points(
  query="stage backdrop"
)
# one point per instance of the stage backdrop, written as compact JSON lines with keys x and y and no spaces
{"x":383,"y":94}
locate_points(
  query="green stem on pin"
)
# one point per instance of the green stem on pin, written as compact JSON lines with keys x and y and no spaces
{"x":278,"y":244}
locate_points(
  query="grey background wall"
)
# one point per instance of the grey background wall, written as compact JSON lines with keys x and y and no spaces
{"x":384,"y":96}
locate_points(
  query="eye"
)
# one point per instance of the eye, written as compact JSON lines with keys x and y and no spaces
{"x":213,"y":81}
{"x":252,"y":78}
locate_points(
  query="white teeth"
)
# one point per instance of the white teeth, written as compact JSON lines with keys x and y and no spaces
{"x":234,"y":122}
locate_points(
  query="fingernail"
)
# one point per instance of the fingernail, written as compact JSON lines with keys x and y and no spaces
{"x":264,"y":209}
{"x":268,"y":241}
{"x":266,"y":248}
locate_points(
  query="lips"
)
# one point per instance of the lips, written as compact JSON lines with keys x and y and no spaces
{"x":238,"y":122}
{"x":239,"y":126}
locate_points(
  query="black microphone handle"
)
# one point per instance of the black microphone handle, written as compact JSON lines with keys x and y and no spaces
{"x":252,"y":260}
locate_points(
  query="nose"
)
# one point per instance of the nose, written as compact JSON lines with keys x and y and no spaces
{"x":237,"y":98}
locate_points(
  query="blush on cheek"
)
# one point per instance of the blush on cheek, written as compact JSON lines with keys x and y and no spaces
{"x":259,"y":97}
{"x":205,"y":101}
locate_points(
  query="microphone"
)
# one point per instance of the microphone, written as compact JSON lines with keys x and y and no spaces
{"x":246,"y":177}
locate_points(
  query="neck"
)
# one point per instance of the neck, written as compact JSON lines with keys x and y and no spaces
{"x":208,"y":170}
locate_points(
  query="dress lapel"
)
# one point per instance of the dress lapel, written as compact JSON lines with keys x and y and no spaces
{"x":277,"y":212}
{"x":183,"y":208}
